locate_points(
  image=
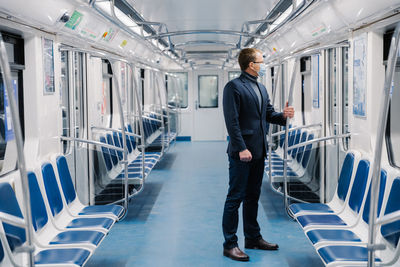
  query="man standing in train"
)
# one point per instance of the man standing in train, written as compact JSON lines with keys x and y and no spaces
{"x":247,"y":112}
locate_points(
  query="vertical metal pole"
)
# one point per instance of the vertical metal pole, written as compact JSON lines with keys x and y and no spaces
{"x":122,"y":121}
{"x":277,"y":74}
{"x":162,"y":115}
{"x":5,"y":67}
{"x":285,"y":151}
{"x":139,"y":109}
{"x":394,"y":46}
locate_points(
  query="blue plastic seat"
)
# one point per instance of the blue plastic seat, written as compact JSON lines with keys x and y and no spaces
{"x":71,"y":256}
{"x":106,"y":154}
{"x":40,"y":219}
{"x":70,"y":194}
{"x":342,"y":235}
{"x":390,"y":232}
{"x":355,"y":201}
{"x":344,"y":253}
{"x":342,"y":189}
{"x":57,"y":206}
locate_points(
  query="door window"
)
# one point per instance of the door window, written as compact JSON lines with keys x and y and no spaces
{"x":208,"y":91}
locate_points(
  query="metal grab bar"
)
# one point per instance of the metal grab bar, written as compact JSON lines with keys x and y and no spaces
{"x":115,"y":130}
{"x":124,"y":145}
{"x":134,"y":84}
{"x":11,"y":219}
{"x":285,"y":154}
{"x":91,"y":142}
{"x":381,"y":129}
{"x":297,"y":128}
{"x":388,"y":218}
{"x":277,"y":75}
{"x":5,"y":67}
{"x":149,"y":118}
{"x":155,"y":113}
{"x":326,"y":138}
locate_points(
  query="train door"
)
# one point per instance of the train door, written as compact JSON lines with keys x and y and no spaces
{"x":208,"y":122}
{"x":73,"y":71}
{"x":336,"y":105}
{"x":15,"y":50}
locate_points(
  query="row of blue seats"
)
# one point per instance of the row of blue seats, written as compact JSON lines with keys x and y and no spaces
{"x":150,"y":126}
{"x":339,"y":229}
{"x":65,"y":232}
{"x":298,"y":158}
{"x":112,"y":157}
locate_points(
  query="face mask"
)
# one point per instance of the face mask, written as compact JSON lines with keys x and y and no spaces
{"x":263,"y":70}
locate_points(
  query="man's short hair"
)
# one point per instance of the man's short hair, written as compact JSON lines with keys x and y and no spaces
{"x":246,"y":56}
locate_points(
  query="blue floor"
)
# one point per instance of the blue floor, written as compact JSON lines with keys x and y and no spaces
{"x":176,"y":220}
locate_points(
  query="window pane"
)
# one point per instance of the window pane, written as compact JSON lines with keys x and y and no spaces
{"x":106,"y":105}
{"x":233,"y":75}
{"x":332,"y":89}
{"x":178,"y":89}
{"x":208,"y":91}
{"x":65,"y":100}
{"x":345,"y":95}
{"x":394,"y":121}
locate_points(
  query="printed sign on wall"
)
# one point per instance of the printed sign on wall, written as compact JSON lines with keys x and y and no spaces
{"x":360,"y":75}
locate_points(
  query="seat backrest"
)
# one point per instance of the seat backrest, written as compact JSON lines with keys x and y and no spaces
{"x":345,"y":176}
{"x":65,"y":179}
{"x":359,"y":185}
{"x":296,"y":141}
{"x":133,"y":142}
{"x":382,"y":187}
{"x":38,"y":208}
{"x":128,"y":142}
{"x":307,"y":152}
{"x":9,"y":204}
{"x":300,"y":151}
{"x":1,"y":252}
{"x":52,"y":190}
{"x":391,"y":231}
{"x":113,"y":153}
{"x":106,"y":154}
{"x":117,"y":144}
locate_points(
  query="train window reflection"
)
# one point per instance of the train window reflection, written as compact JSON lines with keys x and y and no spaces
{"x":393,"y":126}
{"x":208,"y":91}
{"x":15,"y":52}
{"x":79,"y":85}
{"x":178,"y":89}
{"x":65,"y":100}
{"x":106,"y":105}
{"x":332,"y":106}
{"x":345,"y":95}
{"x":233,"y":75}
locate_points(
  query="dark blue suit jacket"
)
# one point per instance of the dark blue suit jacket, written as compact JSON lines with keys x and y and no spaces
{"x":247,"y":126}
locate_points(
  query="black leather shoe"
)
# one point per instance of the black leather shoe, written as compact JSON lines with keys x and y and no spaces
{"x":260,"y":244}
{"x":236,"y":254}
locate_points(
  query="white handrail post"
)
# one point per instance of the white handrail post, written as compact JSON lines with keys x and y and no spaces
{"x":394,"y":46}
{"x":5,"y":67}
{"x":277,"y":74}
{"x":285,"y":156}
{"x":141,"y":127}
{"x":122,"y":121}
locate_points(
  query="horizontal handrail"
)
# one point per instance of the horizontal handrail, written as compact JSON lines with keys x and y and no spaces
{"x":155,"y":113}
{"x":91,"y":142}
{"x":152,"y":119}
{"x":11,"y":219}
{"x":297,"y":128}
{"x":389,"y":218}
{"x":326,"y":138}
{"x":115,"y":130}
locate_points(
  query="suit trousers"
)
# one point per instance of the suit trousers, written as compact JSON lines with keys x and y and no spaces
{"x":245,"y":179}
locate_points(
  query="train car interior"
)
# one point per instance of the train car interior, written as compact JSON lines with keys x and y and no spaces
{"x":113,"y":140}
